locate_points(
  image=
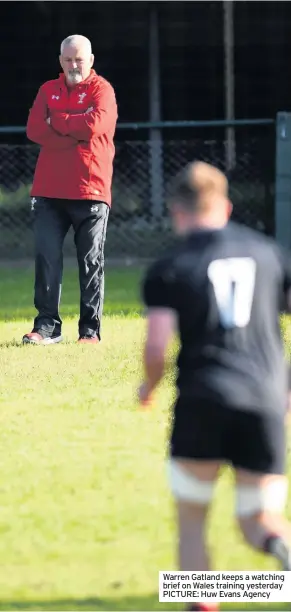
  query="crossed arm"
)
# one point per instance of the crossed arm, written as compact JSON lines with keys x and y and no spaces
{"x":38,"y":129}
{"x":97,"y":120}
{"x":64,"y":130}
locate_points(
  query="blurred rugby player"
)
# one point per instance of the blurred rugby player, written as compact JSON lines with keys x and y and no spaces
{"x":222,"y":287}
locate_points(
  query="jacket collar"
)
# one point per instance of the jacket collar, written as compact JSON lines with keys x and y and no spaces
{"x":92,"y":77}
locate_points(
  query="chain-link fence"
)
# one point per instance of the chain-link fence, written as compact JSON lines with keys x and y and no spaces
{"x":139,"y":225}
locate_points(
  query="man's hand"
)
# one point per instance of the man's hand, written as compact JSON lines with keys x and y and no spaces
{"x":89,"y":110}
{"x":145,"y":395}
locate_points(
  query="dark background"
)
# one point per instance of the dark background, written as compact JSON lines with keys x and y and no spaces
{"x":191,"y":41}
{"x":192,"y":88}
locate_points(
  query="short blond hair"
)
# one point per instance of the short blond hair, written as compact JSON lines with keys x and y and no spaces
{"x":195,"y":182}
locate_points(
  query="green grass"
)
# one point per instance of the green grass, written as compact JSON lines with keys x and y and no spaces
{"x":86,"y":520}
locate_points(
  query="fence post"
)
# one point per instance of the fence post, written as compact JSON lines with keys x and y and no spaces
{"x":156,"y":143}
{"x":283,"y":180}
{"x":229,"y":81}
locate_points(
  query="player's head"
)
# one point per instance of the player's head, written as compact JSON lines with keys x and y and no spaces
{"x":199,"y":198}
{"x":76,"y":58}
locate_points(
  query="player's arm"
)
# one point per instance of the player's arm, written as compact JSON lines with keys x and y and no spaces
{"x":160,"y":330}
{"x":39,"y":131}
{"x":100,"y":119}
{"x":158,"y":295}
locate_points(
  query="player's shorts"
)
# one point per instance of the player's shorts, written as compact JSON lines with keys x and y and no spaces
{"x":248,"y":440}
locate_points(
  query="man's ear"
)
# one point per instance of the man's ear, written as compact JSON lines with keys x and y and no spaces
{"x":92,"y":60}
{"x":230,"y":208}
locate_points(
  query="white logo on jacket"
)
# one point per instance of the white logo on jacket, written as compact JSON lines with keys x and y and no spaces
{"x":55,"y":97}
{"x":82,"y":96}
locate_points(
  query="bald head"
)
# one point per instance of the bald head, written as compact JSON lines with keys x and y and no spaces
{"x":76,"y":58}
{"x":200,"y":193}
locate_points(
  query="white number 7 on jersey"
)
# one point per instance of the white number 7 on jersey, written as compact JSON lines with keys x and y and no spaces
{"x":233,"y":281}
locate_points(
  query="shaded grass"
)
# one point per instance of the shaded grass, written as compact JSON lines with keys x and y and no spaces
{"x":86,"y":520}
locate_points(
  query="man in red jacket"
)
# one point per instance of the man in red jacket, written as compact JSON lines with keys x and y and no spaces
{"x":73,"y":119}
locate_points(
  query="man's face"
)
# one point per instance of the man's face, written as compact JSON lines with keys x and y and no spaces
{"x":76,"y":62}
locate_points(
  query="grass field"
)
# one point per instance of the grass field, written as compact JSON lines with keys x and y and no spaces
{"x":86,"y":520}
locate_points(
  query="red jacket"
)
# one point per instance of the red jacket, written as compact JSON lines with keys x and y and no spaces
{"x":77,"y":150}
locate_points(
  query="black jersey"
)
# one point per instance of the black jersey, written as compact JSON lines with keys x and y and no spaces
{"x":226,"y":287}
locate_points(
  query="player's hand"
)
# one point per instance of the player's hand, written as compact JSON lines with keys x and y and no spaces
{"x":145,"y":396}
